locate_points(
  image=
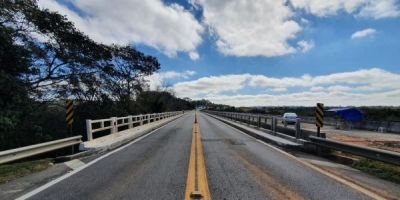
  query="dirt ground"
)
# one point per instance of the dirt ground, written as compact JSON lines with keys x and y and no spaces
{"x":387,"y":141}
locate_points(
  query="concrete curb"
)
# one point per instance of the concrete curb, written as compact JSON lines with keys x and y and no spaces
{"x":287,"y":144}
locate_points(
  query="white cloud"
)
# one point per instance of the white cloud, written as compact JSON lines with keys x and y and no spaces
{"x":250,"y":28}
{"x":317,"y":89}
{"x":376,"y":9}
{"x":380,"y":9}
{"x":365,"y":79}
{"x":271,"y":82}
{"x":305,"y":46}
{"x":168,"y":28}
{"x":361,"y":87}
{"x":309,"y":99}
{"x":339,"y":88}
{"x":211,"y":85}
{"x":240,"y":27}
{"x":282,"y":89}
{"x":194,"y":55}
{"x":363,"y":33}
{"x":157,"y":80}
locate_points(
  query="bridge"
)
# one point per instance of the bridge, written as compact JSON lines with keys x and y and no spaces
{"x":209,"y":155}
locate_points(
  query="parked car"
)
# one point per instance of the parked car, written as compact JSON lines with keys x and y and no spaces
{"x":289,"y":118}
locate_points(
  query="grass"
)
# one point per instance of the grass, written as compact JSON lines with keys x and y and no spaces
{"x":382,"y":170}
{"x":10,"y":172}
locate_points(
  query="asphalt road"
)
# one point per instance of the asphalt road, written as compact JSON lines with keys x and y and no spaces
{"x":237,"y":167}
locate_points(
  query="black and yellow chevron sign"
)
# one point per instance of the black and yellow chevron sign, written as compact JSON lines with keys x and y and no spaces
{"x":319,"y":115}
{"x":69,"y":114}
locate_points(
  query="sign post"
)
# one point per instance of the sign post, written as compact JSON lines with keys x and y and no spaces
{"x":69,"y":113}
{"x":319,"y":118}
{"x":69,"y":117}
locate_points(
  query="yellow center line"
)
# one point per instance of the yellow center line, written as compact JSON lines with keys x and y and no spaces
{"x":197,"y":184}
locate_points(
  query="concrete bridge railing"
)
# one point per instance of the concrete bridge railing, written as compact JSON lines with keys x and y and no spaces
{"x":113,"y":123}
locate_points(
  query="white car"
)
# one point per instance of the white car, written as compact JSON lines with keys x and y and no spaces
{"x":289,"y":118}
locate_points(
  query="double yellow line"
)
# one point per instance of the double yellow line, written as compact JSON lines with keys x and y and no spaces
{"x":197,"y":184}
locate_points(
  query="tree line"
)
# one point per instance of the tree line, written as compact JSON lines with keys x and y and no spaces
{"x":45,"y":60}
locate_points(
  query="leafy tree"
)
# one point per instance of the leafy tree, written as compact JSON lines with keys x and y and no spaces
{"x":44,"y":60}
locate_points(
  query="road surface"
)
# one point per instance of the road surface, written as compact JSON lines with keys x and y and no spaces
{"x":237,"y":167}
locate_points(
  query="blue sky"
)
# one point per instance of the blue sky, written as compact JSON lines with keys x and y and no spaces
{"x":255,"y":53}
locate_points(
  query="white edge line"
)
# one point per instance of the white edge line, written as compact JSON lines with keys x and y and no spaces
{"x":315,"y":168}
{"x":65,"y":176}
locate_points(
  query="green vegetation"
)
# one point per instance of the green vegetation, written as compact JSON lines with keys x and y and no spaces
{"x":12,"y":171}
{"x":379,"y":169}
{"x":45,"y":60}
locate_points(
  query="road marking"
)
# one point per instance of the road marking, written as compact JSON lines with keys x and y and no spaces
{"x":321,"y":171}
{"x":74,"y":164}
{"x":190,"y":182}
{"x":197,"y":184}
{"x":330,"y":175}
{"x":65,"y":176}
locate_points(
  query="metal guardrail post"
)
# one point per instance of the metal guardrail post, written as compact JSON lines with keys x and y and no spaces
{"x":258,"y":121}
{"x":89,"y":133}
{"x":148,"y":118}
{"x":130,"y":122}
{"x":298,"y":130}
{"x":273,"y":125}
{"x":141,"y":119}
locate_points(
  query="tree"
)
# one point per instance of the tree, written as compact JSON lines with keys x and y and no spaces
{"x":123,"y":76}
{"x":44,"y":59}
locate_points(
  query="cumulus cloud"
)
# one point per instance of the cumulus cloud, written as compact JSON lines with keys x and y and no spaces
{"x":211,"y":85}
{"x":365,"y":79}
{"x":168,"y":28}
{"x":194,"y":55}
{"x":369,"y":32}
{"x":380,"y":9}
{"x":361,"y":87}
{"x":157,"y":80}
{"x":282,"y":89}
{"x":250,"y":28}
{"x":309,"y":99}
{"x":305,"y":46}
{"x":376,"y":9}
{"x":240,"y":27}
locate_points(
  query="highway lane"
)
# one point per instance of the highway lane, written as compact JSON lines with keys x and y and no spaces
{"x":152,"y":168}
{"x":240,"y":167}
{"x":237,"y":167}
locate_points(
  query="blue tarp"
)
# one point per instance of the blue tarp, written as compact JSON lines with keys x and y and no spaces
{"x":349,"y":114}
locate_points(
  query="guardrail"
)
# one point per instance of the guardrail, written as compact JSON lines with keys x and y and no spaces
{"x":267,"y":122}
{"x":367,"y":152}
{"x":32,"y":150}
{"x":114,"y":123}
